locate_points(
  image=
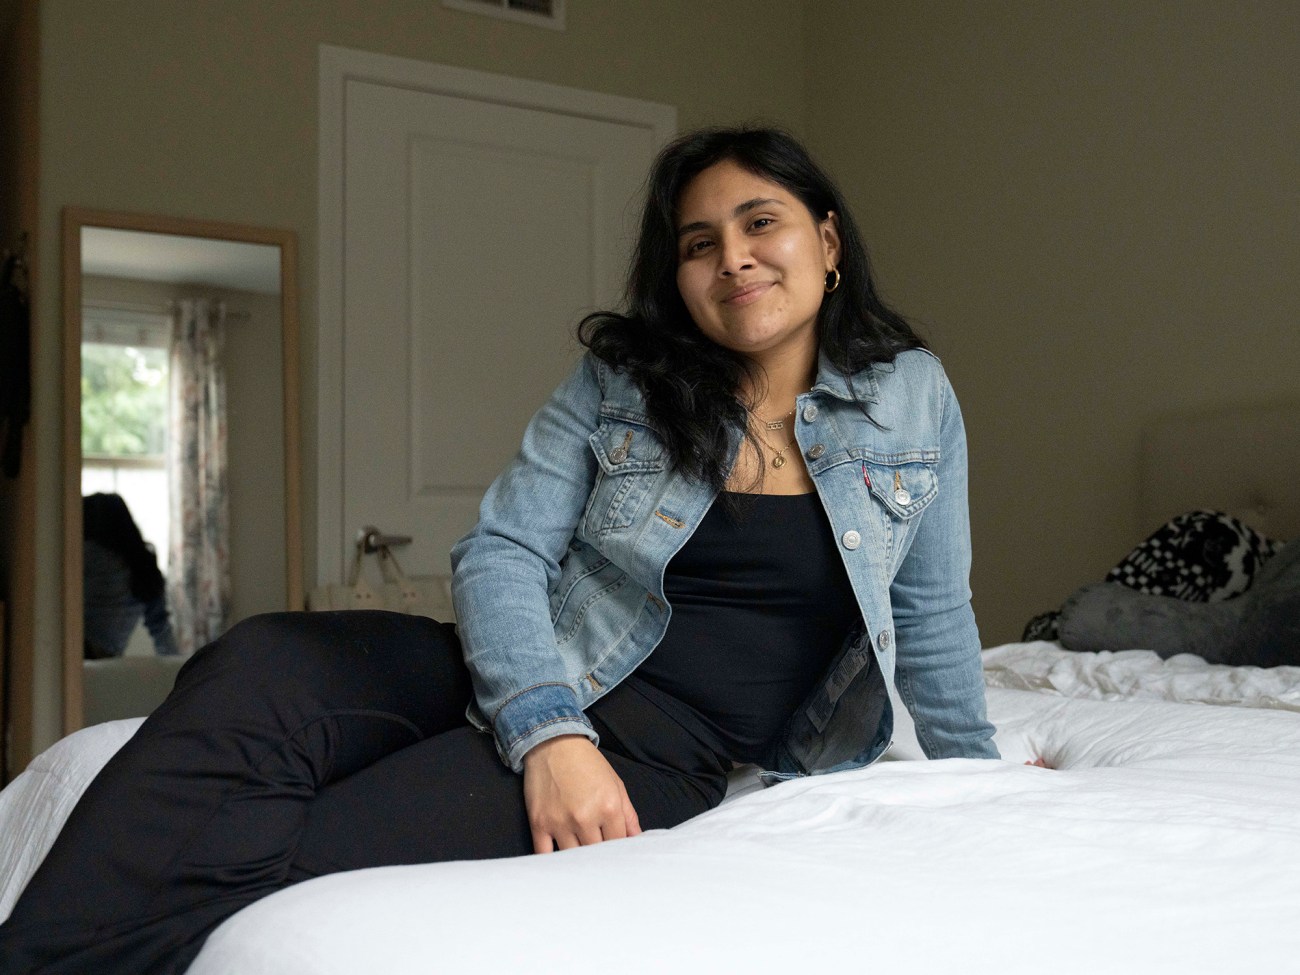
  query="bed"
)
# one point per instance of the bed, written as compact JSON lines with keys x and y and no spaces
{"x":1166,"y":838}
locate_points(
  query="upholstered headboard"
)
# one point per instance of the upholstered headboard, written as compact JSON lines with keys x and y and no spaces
{"x":1243,"y":461}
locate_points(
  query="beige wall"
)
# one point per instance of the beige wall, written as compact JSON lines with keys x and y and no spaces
{"x":1094,"y":209}
{"x":207,"y":109}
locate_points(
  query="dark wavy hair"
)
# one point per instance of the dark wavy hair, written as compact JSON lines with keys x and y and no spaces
{"x":106,"y":519}
{"x":690,"y":383}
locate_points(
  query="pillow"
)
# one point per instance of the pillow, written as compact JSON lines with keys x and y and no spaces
{"x":1200,"y":556}
{"x":1260,"y":628}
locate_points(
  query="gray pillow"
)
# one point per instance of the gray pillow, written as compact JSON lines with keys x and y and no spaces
{"x":1200,"y":556}
{"x":1259,"y":627}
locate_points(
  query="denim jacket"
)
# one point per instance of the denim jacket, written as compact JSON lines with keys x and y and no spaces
{"x":559,"y":589}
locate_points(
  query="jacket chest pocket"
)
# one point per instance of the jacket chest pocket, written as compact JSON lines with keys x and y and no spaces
{"x":903,"y":489}
{"x":631,"y":463}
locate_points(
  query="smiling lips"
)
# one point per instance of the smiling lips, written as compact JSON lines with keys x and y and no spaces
{"x":746,"y":294}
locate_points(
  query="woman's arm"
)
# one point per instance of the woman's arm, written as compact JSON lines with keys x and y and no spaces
{"x":158,"y":622}
{"x":938,"y":673}
{"x":503,"y":570}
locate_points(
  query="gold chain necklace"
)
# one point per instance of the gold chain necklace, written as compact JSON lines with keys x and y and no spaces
{"x":778,"y":461}
{"x":777,"y":424}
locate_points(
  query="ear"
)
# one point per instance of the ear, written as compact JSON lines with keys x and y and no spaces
{"x":830,"y":234}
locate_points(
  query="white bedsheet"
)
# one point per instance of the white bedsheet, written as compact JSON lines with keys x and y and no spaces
{"x":1049,"y":667}
{"x":1168,"y":840}
{"x":34,"y":805}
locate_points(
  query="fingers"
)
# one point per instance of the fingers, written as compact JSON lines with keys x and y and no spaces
{"x":570,"y":841}
{"x":586,"y":827}
{"x":631,"y":822}
{"x":613,"y":828}
{"x":574,"y":797}
{"x":544,"y":842}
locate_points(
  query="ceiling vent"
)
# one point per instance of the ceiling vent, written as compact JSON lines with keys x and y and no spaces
{"x":541,"y":13}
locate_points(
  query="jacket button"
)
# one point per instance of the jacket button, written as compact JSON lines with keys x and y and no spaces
{"x":884,"y":639}
{"x":816,"y":450}
{"x":618,"y":455}
{"x":851,"y":540}
{"x":809,"y":413}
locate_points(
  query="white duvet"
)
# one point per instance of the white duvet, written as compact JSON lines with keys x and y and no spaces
{"x":1167,"y":840}
{"x":1139,"y":674}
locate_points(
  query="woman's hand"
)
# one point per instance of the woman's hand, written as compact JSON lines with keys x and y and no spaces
{"x":574,"y":796}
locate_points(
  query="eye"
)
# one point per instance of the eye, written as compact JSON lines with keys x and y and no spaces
{"x":698,"y":246}
{"x":762,"y":223}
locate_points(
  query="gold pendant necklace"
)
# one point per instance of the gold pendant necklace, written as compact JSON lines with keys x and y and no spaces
{"x":778,"y":461}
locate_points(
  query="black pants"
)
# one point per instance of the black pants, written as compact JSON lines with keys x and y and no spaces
{"x":300,"y":744}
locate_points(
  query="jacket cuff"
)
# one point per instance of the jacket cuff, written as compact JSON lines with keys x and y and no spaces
{"x":536,"y":715}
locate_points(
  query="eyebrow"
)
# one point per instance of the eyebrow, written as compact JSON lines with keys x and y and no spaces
{"x":741,"y":209}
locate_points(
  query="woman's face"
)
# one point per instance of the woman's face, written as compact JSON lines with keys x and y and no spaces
{"x":752,"y":262}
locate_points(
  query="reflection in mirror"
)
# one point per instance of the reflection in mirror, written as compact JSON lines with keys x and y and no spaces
{"x":123,"y":584}
{"x":187,"y":491}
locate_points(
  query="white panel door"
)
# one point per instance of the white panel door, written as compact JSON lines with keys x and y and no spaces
{"x":476,"y":234}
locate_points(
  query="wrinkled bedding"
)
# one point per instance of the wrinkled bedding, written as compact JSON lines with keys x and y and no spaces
{"x":1167,"y":839}
{"x":1139,"y":674}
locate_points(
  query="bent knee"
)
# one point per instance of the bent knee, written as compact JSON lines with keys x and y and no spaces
{"x":297,"y":641}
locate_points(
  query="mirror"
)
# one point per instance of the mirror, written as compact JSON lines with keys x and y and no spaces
{"x":181,"y":447}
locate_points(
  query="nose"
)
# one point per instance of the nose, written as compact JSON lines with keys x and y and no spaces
{"x":734,"y":255}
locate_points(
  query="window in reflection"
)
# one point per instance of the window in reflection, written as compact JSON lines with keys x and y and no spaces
{"x":124,"y":420}
{"x":153,"y":421}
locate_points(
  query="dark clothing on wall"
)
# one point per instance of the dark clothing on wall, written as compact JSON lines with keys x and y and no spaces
{"x":15,"y":362}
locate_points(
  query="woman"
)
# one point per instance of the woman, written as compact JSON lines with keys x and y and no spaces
{"x":122,"y":584}
{"x":757,"y":472}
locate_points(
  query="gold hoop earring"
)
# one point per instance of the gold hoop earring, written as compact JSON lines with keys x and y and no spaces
{"x":831,"y":285}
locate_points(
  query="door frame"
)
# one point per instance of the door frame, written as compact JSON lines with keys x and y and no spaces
{"x":338,"y":67}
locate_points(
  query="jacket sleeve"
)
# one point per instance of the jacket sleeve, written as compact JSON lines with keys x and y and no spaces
{"x":504,"y":569}
{"x":938,"y":668}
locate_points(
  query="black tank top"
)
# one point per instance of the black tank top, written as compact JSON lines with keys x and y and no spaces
{"x":761,"y":605}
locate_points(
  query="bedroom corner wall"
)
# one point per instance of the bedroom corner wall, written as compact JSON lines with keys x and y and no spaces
{"x":208,"y":110}
{"x":1094,"y":212}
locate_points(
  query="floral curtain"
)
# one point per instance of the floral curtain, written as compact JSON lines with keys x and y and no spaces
{"x":198,"y":584}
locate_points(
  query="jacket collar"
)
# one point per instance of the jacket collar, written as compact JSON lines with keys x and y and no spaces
{"x":834,"y":383}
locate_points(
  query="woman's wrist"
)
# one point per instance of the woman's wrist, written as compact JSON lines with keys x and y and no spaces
{"x":559,"y":743}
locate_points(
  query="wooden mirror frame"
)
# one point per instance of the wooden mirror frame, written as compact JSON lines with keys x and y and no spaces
{"x":74,"y":219}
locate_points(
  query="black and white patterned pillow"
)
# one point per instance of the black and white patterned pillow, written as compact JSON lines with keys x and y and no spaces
{"x":1198,"y":557}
